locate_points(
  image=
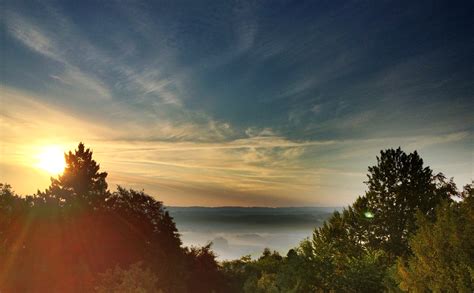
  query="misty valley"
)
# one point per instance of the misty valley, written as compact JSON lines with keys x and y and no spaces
{"x":239,"y":231}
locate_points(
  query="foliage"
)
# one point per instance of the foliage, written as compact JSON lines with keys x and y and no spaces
{"x":237,"y":272}
{"x":81,"y":183}
{"x":63,"y":238}
{"x":336,"y":270}
{"x":247,"y":275}
{"x":203,"y":272}
{"x":355,"y":250}
{"x":135,"y":279}
{"x":310,"y":268}
{"x":79,"y":236}
{"x":443,"y":251}
{"x":399,"y":187}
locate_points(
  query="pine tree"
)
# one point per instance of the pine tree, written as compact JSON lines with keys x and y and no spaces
{"x":81,"y":182}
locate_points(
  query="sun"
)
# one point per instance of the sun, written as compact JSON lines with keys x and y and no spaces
{"x":51,"y":160}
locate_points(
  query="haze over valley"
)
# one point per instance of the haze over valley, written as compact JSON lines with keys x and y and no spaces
{"x":239,"y":231}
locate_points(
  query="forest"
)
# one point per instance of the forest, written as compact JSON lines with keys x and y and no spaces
{"x":410,"y":232}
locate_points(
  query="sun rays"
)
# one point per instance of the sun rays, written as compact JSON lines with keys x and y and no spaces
{"x":51,"y":160}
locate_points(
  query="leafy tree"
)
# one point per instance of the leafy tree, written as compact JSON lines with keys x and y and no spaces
{"x":365,"y":273}
{"x":12,"y":208}
{"x":340,"y":233}
{"x":269,"y":261}
{"x":204,"y":275}
{"x":135,"y":279}
{"x":265,"y":273}
{"x":267,"y":283}
{"x":10,"y":205}
{"x":443,"y":251}
{"x":399,"y":187}
{"x":326,"y":268}
{"x":144,"y":231}
{"x":247,"y":275}
{"x":250,"y":285}
{"x":138,"y":209}
{"x":314,"y":266}
{"x":237,"y":272}
{"x":63,"y":238}
{"x":60,"y":239}
{"x":354,"y":248}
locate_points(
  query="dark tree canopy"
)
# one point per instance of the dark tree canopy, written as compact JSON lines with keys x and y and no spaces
{"x":81,"y":181}
{"x":404,"y":233}
{"x":353,"y":250}
{"x":62,"y":239}
{"x":134,"y":279}
{"x":399,"y":187}
{"x":204,"y":270}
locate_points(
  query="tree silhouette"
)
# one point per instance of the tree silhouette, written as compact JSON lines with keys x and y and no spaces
{"x":204,"y":275}
{"x":399,"y":187}
{"x":354,"y":248}
{"x":81,"y":182}
{"x":62,"y":238}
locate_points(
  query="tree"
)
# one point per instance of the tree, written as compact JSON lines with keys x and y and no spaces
{"x":81,"y":182}
{"x":204,"y":274}
{"x":261,"y":275}
{"x":332,"y":268}
{"x":399,"y":187}
{"x":144,"y":231}
{"x":147,"y":215}
{"x":60,"y":239}
{"x":10,"y":206}
{"x":265,"y":270}
{"x":237,"y":272}
{"x":355,"y":248}
{"x":443,"y":251}
{"x":135,"y":279}
{"x":12,"y":210}
{"x":365,"y":273}
{"x":339,"y":232}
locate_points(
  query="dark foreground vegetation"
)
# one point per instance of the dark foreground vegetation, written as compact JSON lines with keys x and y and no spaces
{"x":411,"y":231}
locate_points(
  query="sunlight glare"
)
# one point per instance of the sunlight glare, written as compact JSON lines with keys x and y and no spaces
{"x":51,"y":160}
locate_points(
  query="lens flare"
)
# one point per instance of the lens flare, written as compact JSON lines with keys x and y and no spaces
{"x":368,"y":215}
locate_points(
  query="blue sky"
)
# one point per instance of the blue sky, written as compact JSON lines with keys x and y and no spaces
{"x":238,"y":102}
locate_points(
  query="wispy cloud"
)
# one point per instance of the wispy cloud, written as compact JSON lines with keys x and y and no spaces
{"x":33,"y":38}
{"x":246,"y":26}
{"x":147,"y":89}
{"x":263,"y":165}
{"x":237,"y":102}
{"x":46,"y":43}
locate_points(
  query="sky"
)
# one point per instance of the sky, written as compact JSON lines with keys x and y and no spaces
{"x":237,"y":103}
